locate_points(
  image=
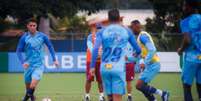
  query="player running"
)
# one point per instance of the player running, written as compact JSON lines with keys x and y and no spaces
{"x":32,"y":44}
{"x":150,"y":66}
{"x":191,"y":46}
{"x":113,"y":39}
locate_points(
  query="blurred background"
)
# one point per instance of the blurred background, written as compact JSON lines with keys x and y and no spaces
{"x":68,"y":23}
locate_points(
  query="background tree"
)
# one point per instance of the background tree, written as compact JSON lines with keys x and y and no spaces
{"x":24,"y":9}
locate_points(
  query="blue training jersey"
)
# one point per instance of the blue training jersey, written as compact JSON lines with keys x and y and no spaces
{"x":192,"y":26}
{"x":33,"y":47}
{"x":114,"y":38}
{"x":130,"y":53}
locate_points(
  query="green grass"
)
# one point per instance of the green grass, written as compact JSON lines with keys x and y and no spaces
{"x":70,"y":87}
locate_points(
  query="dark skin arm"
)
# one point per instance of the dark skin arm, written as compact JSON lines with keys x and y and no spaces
{"x":185,"y":42}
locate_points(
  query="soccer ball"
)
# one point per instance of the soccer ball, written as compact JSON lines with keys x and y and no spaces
{"x":46,"y":99}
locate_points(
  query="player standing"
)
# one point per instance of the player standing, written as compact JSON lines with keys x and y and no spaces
{"x":191,"y":45}
{"x":151,"y":65}
{"x":113,"y":39}
{"x":32,"y":44}
{"x":130,"y":74}
{"x":89,"y":78}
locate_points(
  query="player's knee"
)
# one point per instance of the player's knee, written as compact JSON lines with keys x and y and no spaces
{"x":138,"y":86}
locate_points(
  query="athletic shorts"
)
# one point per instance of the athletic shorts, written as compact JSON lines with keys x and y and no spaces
{"x":130,"y":74}
{"x":97,"y":72}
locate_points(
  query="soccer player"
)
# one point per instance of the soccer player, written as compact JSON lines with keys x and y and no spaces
{"x":89,"y":78}
{"x":32,"y":44}
{"x":113,"y":39}
{"x":150,"y":66}
{"x":191,"y":46}
{"x":130,"y":64}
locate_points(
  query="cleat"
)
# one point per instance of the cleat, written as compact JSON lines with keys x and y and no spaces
{"x":101,"y":98}
{"x":129,"y":98}
{"x":165,"y":96}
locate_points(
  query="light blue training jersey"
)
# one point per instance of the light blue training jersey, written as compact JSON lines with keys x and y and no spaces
{"x":114,"y":39}
{"x":33,"y":47}
{"x":192,"y":26}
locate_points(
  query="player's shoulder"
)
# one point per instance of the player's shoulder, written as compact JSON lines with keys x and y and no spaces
{"x":41,"y":34}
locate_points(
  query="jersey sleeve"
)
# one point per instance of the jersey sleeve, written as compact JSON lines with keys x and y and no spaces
{"x":89,"y":43}
{"x":97,"y":45}
{"x":20,"y":48}
{"x":50,"y":47}
{"x":133,"y":42}
{"x":150,"y":46}
{"x":184,"y":26}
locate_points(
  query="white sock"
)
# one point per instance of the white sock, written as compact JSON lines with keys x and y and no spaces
{"x":129,"y":94}
{"x":87,"y":95}
{"x":159,"y":92}
{"x":101,"y":94}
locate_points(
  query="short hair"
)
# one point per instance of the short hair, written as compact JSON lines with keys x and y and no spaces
{"x":135,"y":22}
{"x":31,"y":20}
{"x":113,"y":15}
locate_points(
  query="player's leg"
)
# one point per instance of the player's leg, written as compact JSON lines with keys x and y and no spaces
{"x":148,"y":74}
{"x":118,"y":85}
{"x":36,"y":77}
{"x":89,"y":79}
{"x":198,"y":81}
{"x":99,"y":81}
{"x":188,"y":74}
{"x":27,"y":79}
{"x":117,"y":97}
{"x":109,"y":97}
{"x":107,"y":82}
{"x":129,"y":78}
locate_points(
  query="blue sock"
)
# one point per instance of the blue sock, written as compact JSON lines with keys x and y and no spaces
{"x":30,"y":92}
{"x":148,"y":89}
{"x":150,"y":97}
{"x":187,"y":92}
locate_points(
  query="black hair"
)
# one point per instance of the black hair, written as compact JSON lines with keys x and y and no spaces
{"x":31,"y":20}
{"x":113,"y":15}
{"x":135,"y":22}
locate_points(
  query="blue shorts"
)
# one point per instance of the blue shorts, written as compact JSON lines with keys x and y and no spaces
{"x":150,"y":72}
{"x":190,"y":71}
{"x":114,"y":82}
{"x":33,"y":73}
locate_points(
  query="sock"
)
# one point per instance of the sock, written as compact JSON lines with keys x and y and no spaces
{"x":159,"y":92}
{"x":150,"y":97}
{"x":101,"y":94}
{"x":129,"y":94}
{"x":87,"y":95}
{"x":148,"y":89}
{"x":199,"y":91}
{"x":187,"y":92}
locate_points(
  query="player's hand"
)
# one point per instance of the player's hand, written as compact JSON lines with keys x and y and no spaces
{"x":25,"y":65}
{"x":92,"y":71}
{"x":56,"y":63}
{"x":179,"y":51}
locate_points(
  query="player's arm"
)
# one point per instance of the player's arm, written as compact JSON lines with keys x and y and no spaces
{"x":97,"y":45}
{"x":150,"y":46}
{"x":133,"y":43}
{"x":89,"y":43}
{"x":20,"y":49}
{"x":186,"y":37}
{"x":51,"y":49}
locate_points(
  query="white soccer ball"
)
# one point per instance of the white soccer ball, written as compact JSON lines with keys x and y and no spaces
{"x":46,"y":99}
